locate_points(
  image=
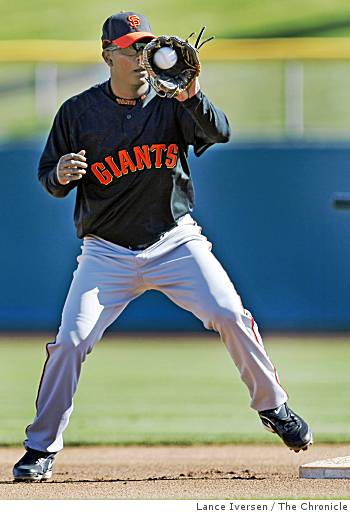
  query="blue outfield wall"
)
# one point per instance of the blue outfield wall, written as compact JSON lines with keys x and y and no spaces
{"x":266,"y":208}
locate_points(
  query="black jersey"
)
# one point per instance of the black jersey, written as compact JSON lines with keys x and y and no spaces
{"x":138,"y":181}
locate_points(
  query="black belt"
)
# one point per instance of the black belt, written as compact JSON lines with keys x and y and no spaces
{"x":140,"y":247}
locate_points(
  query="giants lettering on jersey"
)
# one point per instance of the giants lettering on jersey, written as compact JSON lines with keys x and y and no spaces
{"x":145,"y":156}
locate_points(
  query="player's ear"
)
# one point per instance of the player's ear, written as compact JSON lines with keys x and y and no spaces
{"x":106,"y":57}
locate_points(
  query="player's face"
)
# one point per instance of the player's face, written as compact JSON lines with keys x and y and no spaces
{"x":128,"y":66}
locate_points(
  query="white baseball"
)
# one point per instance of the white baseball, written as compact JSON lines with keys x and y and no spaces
{"x":165,"y":57}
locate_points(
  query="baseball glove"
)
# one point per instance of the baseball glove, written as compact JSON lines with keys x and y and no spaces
{"x":171,"y":82}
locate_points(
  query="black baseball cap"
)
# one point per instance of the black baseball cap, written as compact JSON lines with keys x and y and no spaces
{"x":124,"y":29}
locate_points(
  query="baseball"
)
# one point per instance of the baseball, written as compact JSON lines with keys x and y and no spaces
{"x":165,"y":57}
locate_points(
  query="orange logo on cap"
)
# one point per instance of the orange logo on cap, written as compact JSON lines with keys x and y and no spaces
{"x":134,"y":21}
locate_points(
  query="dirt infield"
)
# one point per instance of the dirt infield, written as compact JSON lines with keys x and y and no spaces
{"x":163,"y":472}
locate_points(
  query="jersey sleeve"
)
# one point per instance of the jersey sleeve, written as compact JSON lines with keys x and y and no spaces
{"x":202,"y":123}
{"x":59,"y":143}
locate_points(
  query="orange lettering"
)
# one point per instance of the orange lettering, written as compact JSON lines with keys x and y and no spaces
{"x":103,"y":177}
{"x":113,"y":166}
{"x":158,"y":148}
{"x":125,"y":162}
{"x":142,"y":157}
{"x":170,"y":162}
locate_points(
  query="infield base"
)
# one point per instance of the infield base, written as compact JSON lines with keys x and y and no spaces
{"x":339,"y":467}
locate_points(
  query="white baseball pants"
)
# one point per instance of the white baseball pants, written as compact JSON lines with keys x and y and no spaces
{"x":108,"y":277}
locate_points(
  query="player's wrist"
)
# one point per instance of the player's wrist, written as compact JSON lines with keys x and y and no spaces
{"x":189,"y":93}
{"x":192,"y":102}
{"x":57,"y":178}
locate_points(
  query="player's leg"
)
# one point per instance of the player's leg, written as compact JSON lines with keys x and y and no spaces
{"x":102,"y":286}
{"x":192,"y":277}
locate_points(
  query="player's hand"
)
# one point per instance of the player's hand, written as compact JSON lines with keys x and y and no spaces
{"x":71,"y":167}
{"x":191,"y":91}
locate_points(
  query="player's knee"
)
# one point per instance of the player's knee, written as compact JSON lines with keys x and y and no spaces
{"x":222,"y":316}
{"x":73,"y":344}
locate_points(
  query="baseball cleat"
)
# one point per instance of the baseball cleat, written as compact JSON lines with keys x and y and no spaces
{"x":291,"y":428}
{"x":34,"y":466}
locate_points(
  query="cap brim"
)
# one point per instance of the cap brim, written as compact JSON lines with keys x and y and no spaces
{"x":132,"y":37}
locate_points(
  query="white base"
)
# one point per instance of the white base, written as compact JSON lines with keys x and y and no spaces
{"x":339,"y":467}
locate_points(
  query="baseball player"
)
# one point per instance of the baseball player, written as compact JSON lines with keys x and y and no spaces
{"x":125,"y":151}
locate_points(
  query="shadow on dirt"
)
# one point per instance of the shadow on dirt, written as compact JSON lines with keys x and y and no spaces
{"x":215,"y":474}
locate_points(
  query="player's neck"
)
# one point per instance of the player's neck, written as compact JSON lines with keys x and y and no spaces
{"x":128,"y":91}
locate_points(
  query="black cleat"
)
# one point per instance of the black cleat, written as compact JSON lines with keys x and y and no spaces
{"x":34,"y":466}
{"x":292,"y":429}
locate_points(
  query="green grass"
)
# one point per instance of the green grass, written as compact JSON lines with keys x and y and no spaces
{"x":251,"y":93}
{"x":178,"y":391}
{"x":82,"y":19}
